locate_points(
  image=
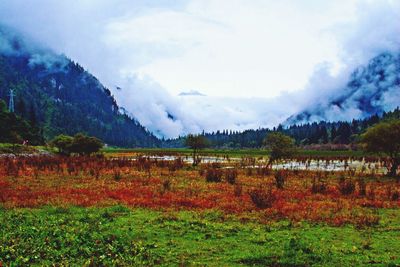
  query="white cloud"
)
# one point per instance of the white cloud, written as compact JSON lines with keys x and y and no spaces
{"x":237,"y":48}
{"x":255,"y":60}
{"x":153,"y":106}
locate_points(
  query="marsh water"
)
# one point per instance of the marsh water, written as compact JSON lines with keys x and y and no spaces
{"x":311,"y":164}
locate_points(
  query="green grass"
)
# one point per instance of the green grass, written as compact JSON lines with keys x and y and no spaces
{"x":18,"y":149}
{"x":120,"y":236}
{"x":187,"y":151}
{"x":233,"y":152}
{"x":6,"y":148}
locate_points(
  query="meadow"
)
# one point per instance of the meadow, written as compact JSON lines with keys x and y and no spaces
{"x":244,"y":152}
{"x":129,"y":208}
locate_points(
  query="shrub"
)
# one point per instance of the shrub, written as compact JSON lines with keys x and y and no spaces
{"x":318,"y":186}
{"x":117,"y":175}
{"x":231,"y":175}
{"x":237,"y":190}
{"x":280,"y":176}
{"x":147,"y":168}
{"x":362,"y":187}
{"x":346,"y":186}
{"x":79,"y":144}
{"x":214,"y":175}
{"x":12,"y":169}
{"x":395,"y":196}
{"x":262,"y":198}
{"x":85,"y":145}
{"x":62,"y":143}
{"x":166,"y":185}
{"x":371,"y":193}
{"x":176,"y":165}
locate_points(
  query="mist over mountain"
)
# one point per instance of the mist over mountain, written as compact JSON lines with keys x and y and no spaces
{"x":256,"y":62}
{"x":371,"y":89}
{"x":60,"y":96}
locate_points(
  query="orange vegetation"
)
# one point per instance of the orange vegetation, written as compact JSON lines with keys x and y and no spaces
{"x":332,"y":197}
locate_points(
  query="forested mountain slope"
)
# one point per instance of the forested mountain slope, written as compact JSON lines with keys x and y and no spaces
{"x":59,"y":96}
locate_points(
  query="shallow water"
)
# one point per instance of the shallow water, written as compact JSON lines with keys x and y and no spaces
{"x":334,"y":165}
{"x":312,"y":165}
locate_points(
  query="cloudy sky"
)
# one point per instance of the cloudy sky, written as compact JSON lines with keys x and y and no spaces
{"x":185,"y":66}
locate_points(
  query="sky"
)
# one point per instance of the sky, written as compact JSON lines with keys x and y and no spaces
{"x":193,"y":65}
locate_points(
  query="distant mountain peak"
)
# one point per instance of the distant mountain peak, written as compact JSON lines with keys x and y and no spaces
{"x":371,"y":89}
{"x":191,"y":93}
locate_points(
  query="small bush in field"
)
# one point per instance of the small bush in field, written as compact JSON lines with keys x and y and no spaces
{"x":177,"y":164}
{"x":117,"y":175}
{"x":147,"y":168}
{"x":362,"y":187}
{"x":346,"y":186}
{"x":395,"y":196}
{"x":262,"y":198}
{"x":231,"y":175}
{"x":214,"y":175}
{"x":166,"y":185}
{"x":280,"y":177}
{"x":318,"y":187}
{"x":371,"y":193}
{"x":237,"y":190}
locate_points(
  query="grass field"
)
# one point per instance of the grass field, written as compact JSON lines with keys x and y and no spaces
{"x":101,"y":211}
{"x":121,"y":236}
{"x":231,"y":152}
{"x":19,"y":149}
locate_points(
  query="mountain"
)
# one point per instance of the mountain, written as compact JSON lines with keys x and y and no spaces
{"x":371,"y":89}
{"x":371,"y":94}
{"x":60,"y":96}
{"x":191,"y":93}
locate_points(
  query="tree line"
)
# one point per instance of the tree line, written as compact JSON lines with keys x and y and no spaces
{"x":342,"y":132}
